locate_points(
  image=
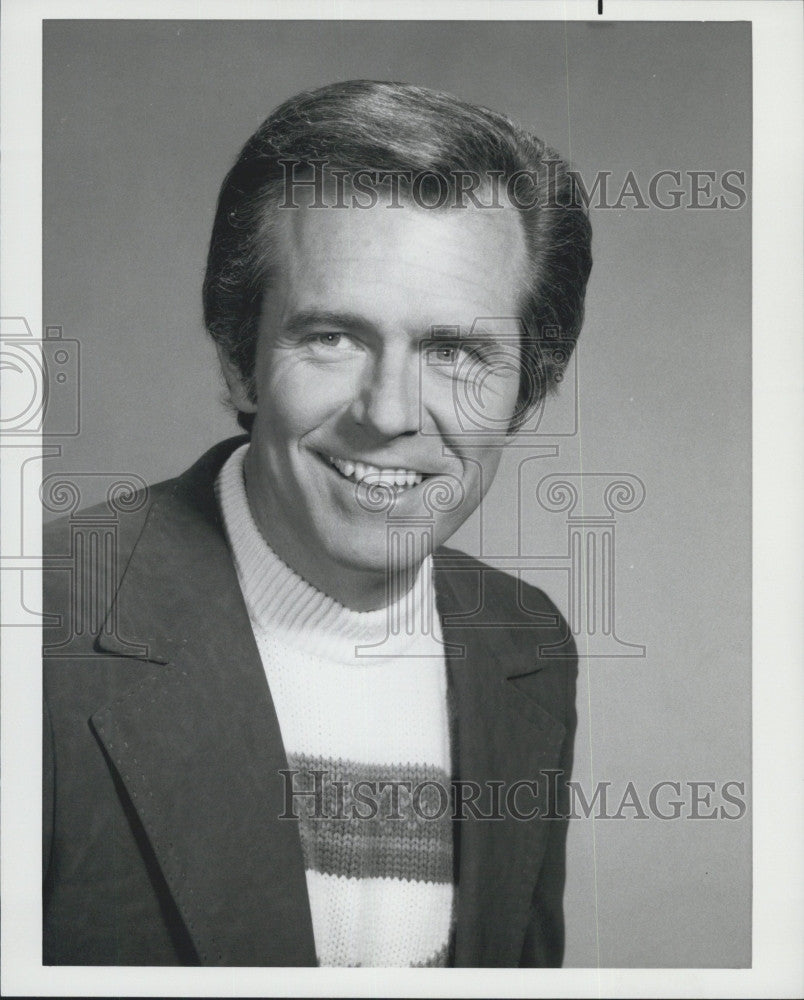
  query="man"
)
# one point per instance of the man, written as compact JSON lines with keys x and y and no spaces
{"x":301,"y":731}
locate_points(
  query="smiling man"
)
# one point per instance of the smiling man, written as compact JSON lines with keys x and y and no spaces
{"x":341,"y":397}
{"x":306,"y":732}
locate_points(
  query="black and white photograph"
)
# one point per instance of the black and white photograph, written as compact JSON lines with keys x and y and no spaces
{"x":401,"y":500}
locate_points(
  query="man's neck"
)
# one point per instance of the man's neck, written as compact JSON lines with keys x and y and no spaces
{"x":355,"y":589}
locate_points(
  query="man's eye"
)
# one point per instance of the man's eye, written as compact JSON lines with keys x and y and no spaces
{"x":444,"y":354}
{"x":328,"y":339}
{"x":331,"y":342}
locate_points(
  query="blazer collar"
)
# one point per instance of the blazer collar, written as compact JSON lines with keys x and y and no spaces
{"x":197,"y":742}
{"x":198,"y":745}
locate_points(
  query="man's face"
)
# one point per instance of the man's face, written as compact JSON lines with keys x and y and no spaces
{"x":347,"y":398}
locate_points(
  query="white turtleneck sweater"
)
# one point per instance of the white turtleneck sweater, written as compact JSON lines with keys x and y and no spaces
{"x":357,"y":701}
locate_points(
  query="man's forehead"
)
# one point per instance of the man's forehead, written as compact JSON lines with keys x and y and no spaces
{"x":475,"y":255}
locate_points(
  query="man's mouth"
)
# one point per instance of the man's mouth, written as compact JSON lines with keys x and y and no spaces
{"x":362,"y":472}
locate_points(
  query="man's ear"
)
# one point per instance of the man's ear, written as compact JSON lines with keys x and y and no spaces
{"x":238,"y":386}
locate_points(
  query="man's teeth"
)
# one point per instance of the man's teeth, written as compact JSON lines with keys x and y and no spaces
{"x":360,"y":472}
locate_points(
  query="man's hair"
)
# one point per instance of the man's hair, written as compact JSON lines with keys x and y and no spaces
{"x":395,"y":128}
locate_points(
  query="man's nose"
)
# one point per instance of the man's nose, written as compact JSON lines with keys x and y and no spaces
{"x":388,"y":400}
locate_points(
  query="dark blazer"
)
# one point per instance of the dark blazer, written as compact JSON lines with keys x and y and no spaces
{"x":162,"y":843}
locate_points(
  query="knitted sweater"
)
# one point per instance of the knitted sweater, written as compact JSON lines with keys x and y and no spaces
{"x":367,"y":742}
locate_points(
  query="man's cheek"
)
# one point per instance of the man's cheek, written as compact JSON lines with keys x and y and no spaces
{"x":307,"y":393}
{"x":481,"y":465}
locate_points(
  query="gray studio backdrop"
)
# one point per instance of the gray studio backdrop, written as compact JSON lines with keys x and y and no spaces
{"x":141,"y":122}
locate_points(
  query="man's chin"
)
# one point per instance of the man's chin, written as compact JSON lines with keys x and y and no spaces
{"x":376,"y":565}
{"x":388,"y":558}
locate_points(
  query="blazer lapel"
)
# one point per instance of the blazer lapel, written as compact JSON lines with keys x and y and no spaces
{"x":500,"y":734}
{"x":197,"y":743}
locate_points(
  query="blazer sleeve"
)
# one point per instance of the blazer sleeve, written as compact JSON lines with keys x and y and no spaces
{"x":544,"y":936}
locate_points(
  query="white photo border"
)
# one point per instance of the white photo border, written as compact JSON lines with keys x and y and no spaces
{"x":778,"y":363}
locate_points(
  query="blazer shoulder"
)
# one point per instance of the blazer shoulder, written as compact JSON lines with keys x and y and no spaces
{"x":518,"y":625}
{"x":84,"y":557}
{"x":123,"y":515}
{"x":502,"y":592}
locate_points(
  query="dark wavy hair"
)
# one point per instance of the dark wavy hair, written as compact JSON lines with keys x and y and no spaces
{"x":361,"y":125}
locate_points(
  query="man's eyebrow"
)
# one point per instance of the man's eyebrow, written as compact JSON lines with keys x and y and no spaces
{"x":475,"y":334}
{"x":306,"y":318}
